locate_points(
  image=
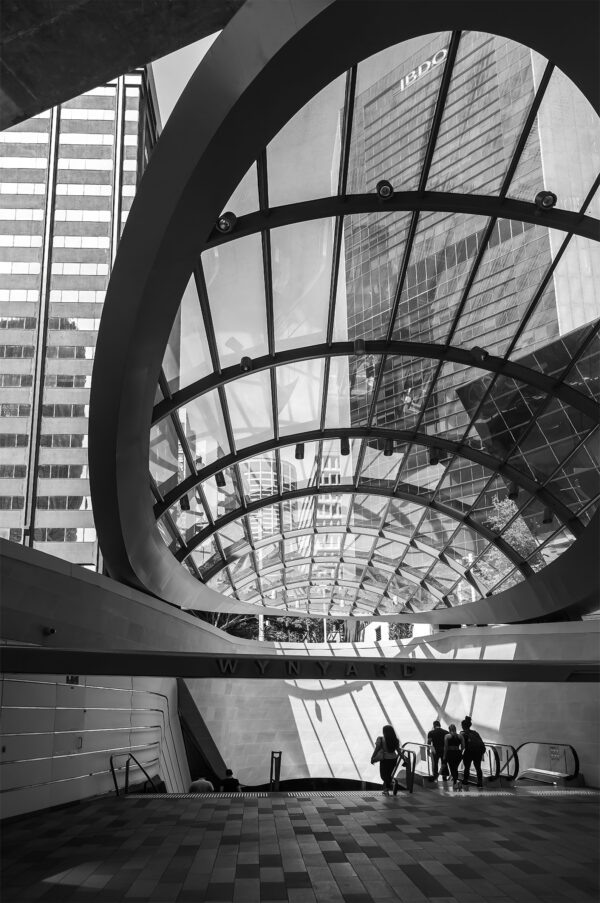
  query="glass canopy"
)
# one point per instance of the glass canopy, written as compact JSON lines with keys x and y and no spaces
{"x":376,"y":411}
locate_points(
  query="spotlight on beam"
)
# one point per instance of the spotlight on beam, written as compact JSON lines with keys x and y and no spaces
{"x":435,"y":455}
{"x":226,"y":222}
{"x":344,"y":446}
{"x":384,"y":189}
{"x":545,"y":200}
{"x":245,"y":364}
{"x":388,"y":448}
{"x":480,"y":354}
{"x":548,"y":516}
{"x":184,"y":503}
{"x":220,"y":479}
{"x":299,"y":453}
{"x":513,"y":492}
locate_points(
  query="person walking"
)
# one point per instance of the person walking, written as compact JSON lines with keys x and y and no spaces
{"x":474,"y":750}
{"x":453,"y":750}
{"x":230,"y":784}
{"x":201,"y":785}
{"x":386,"y":752}
{"x":435,"y":742}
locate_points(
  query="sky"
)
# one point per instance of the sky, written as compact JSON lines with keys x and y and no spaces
{"x":172,"y":73}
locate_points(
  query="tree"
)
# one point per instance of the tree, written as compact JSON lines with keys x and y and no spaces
{"x":494,"y":565}
{"x":400,"y":631}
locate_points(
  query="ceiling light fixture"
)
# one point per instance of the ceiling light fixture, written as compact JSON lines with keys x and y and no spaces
{"x":545,"y":200}
{"x":480,"y":354}
{"x":384,"y":189}
{"x":226,"y":222}
{"x":246,"y":364}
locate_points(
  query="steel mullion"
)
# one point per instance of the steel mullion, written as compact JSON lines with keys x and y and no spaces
{"x":534,"y":421}
{"x":511,"y":169}
{"x":427,"y":160}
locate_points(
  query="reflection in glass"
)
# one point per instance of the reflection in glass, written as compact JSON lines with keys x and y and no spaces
{"x":301,"y":264}
{"x":249,"y":400}
{"x":308,"y":147}
{"x":299,"y":395}
{"x":236,"y":292}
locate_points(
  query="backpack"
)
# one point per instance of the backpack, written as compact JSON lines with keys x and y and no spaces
{"x":474,"y":742}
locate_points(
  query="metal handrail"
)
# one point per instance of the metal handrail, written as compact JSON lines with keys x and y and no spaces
{"x":569,"y":777}
{"x":139,"y":765}
{"x":410,"y":768}
{"x":512,"y":757}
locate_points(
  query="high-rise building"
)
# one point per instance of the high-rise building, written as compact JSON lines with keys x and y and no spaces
{"x":67,"y":180}
{"x":411,"y":283}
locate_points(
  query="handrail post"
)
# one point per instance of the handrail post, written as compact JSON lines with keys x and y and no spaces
{"x":275,"y":770}
{"x":114,"y":775}
{"x":127,"y":774}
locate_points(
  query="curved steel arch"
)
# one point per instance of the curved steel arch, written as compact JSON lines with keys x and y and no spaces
{"x":564,"y":513}
{"x":403,"y":202}
{"x":492,"y":364}
{"x":228,"y":105}
{"x":344,"y":489}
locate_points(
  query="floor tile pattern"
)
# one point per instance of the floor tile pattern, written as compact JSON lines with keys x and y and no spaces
{"x":309,"y":848}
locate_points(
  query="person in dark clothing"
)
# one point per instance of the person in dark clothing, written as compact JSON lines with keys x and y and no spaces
{"x":386,"y":752}
{"x":474,"y":749}
{"x":230,"y":784}
{"x":453,"y":750}
{"x":435,"y":742}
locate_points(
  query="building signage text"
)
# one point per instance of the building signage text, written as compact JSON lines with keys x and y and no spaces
{"x":415,"y":74}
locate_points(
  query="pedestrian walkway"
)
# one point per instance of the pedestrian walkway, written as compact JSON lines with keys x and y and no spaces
{"x":310,"y":848}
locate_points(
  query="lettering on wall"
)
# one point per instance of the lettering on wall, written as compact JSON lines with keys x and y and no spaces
{"x":425,"y":67}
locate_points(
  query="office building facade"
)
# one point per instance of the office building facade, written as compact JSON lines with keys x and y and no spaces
{"x":67,"y":180}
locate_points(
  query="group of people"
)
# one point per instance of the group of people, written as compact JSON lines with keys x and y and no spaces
{"x":448,"y":747}
{"x":229,"y":784}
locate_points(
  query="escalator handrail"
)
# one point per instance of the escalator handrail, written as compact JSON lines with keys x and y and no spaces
{"x":512,"y":757}
{"x":570,"y":777}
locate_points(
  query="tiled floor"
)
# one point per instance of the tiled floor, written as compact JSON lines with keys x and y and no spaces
{"x":353,"y":847}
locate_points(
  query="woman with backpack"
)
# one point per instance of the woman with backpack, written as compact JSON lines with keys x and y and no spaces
{"x":386,"y":752}
{"x":474,"y":752}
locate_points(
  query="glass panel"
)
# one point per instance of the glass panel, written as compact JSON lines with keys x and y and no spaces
{"x":490,"y":93}
{"x":556,"y":433}
{"x":491,"y":567}
{"x":204,"y":427}
{"x":443,"y":253}
{"x":570,"y":300}
{"x":168,"y":539}
{"x":553,"y":548}
{"x":249,"y":400}
{"x":363,"y":371}
{"x":513,"y":265}
{"x":299,"y":396}
{"x":404,"y":387}
{"x":338,"y":393}
{"x":358,"y":545}
{"x":335,"y":467}
{"x":396,"y":93}
{"x":206,"y":556}
{"x":297,"y":474}
{"x":561,"y":154}
{"x":328,"y":545}
{"x":165,"y":455}
{"x":585,"y":374}
{"x":374,"y":245}
{"x":222,"y":499}
{"x":301,"y":258}
{"x":378,"y":468}
{"x":190,"y":521}
{"x":303,"y":158}
{"x":298,"y":514}
{"x":367,"y":511}
{"x":389,"y":551}
{"x":236,"y":292}
{"x":187,"y":357}
{"x":245,"y":197}
{"x":578,"y":481}
{"x":259,"y":477}
{"x":233,"y":539}
{"x":332,"y":510}
{"x":265,"y":522}
{"x":402,"y":517}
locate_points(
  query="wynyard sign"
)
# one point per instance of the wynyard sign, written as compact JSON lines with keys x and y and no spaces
{"x":415,"y":74}
{"x":309,"y":668}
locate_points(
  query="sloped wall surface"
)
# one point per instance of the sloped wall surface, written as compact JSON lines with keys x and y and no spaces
{"x":327,"y":728}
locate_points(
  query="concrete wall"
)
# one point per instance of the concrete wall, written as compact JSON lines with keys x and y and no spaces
{"x":327,"y":728}
{"x":57,"y":738}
